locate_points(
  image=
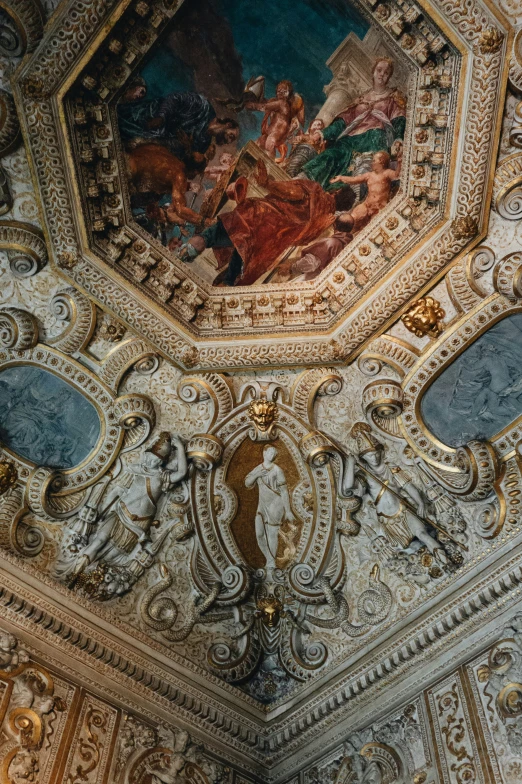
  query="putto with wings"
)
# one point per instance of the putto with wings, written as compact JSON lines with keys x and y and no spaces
{"x":284,"y":115}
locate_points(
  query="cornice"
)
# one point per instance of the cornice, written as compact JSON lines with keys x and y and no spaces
{"x":273,"y":743}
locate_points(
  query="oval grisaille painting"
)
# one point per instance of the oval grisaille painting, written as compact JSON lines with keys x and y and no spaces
{"x":480,"y":393}
{"x":44,"y":419}
{"x":261,"y":138}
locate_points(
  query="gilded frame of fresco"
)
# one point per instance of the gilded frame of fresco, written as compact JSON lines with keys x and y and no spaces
{"x":419,"y":234}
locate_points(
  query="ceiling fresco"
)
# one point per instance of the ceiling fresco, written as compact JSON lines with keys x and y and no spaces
{"x":206,"y":198}
{"x":260,"y":391}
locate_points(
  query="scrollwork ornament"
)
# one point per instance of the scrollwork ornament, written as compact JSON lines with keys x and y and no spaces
{"x":507,"y":276}
{"x":479,"y":461}
{"x":316,"y":448}
{"x":383,"y":399}
{"x":209,"y":386}
{"x":147,"y":365}
{"x":78,"y":314}
{"x":133,"y":410}
{"x":481,"y":260}
{"x":41,"y":483}
{"x":509,"y":700}
{"x":370,"y":366}
{"x":317,"y":382}
{"x":25,"y":246}
{"x":507,"y":186}
{"x":28,"y":17}
{"x":509,"y":202}
{"x":204,"y":451}
{"x":18,"y":329}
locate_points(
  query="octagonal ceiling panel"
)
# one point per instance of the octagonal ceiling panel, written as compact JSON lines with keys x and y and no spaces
{"x":142,"y":142}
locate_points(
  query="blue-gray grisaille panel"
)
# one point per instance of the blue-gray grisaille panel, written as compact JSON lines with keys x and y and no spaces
{"x":44,"y":419}
{"x":480,"y":393}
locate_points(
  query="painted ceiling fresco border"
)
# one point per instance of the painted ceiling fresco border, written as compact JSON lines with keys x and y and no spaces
{"x":38,"y":80}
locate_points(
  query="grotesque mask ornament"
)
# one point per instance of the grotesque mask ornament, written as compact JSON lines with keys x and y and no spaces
{"x":425,"y":318}
{"x":263,"y":414}
{"x":269,"y":610}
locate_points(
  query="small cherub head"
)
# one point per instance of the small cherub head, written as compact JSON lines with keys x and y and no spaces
{"x":226,"y":159}
{"x":380,"y":161}
{"x":285,"y":89}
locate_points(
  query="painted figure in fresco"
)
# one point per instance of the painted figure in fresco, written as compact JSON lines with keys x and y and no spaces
{"x":316,"y":257}
{"x":128,"y":510}
{"x":185,"y":122}
{"x":226,"y":159}
{"x":154,"y":170}
{"x":379,"y":183}
{"x":371,"y":123}
{"x":400,"y":524}
{"x":250,"y":238}
{"x":305,"y":147}
{"x":284,"y":114}
{"x":273,"y":506}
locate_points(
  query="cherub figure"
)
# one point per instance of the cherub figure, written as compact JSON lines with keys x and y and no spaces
{"x":379,"y":182}
{"x":226,"y":160}
{"x":11,"y":656}
{"x":284,"y":114}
